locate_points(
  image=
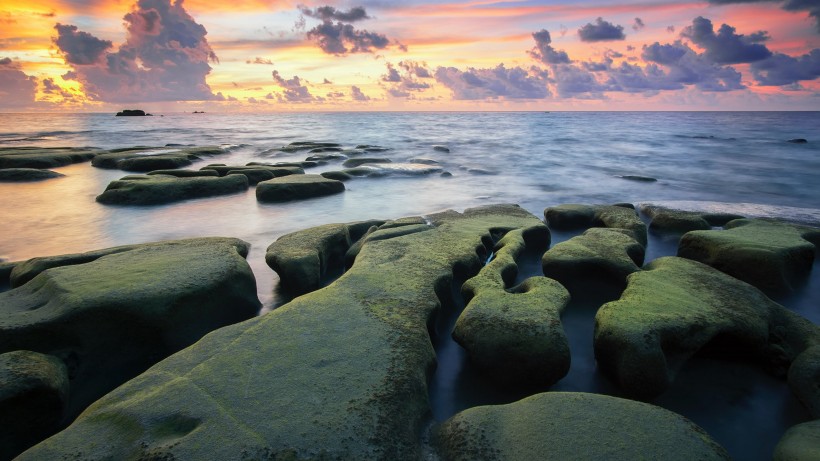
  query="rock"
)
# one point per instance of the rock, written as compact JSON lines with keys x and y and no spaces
{"x":799,"y":443}
{"x":337,"y":175}
{"x":303,"y":164}
{"x":307,"y":145}
{"x":388,"y":230}
{"x":771,"y":256}
{"x":423,"y":161}
{"x":441,"y":148}
{"x":297,"y":187}
{"x":144,"y":159}
{"x":326,"y":157}
{"x":254,"y":175}
{"x":372,"y":148}
{"x":185,"y":173}
{"x":636,"y":178}
{"x":6,"y":268}
{"x":515,"y":335}
{"x":303,"y":258}
{"x":383,"y":169}
{"x":44,"y":157}
{"x":111,"y":318}
{"x":798,"y":141}
{"x":33,"y":398}
{"x":804,"y":379}
{"x":446,"y":174}
{"x":597,"y":255}
{"x":319,"y":150}
{"x":680,"y":221}
{"x":338,"y":373}
{"x":572,"y":217}
{"x":277,"y":171}
{"x":354,"y":162}
{"x":158,"y":189}
{"x":27,"y":174}
{"x":573,"y":426}
{"x":674,"y":308}
{"x":132,"y":113}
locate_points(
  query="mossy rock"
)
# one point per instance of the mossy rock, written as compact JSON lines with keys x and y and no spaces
{"x":145,"y":159}
{"x":27,"y":174}
{"x":276,"y":171}
{"x":389,"y":229}
{"x":307,"y":145}
{"x":185,"y":173}
{"x":573,"y":426}
{"x":159,"y":189}
{"x":359,"y":161}
{"x":574,"y":217}
{"x":45,"y":157}
{"x":303,"y":258}
{"x":599,"y":254}
{"x":799,"y":443}
{"x":33,"y":397}
{"x":148,"y":163}
{"x":515,"y":335}
{"x":337,"y":175}
{"x":676,"y":307}
{"x":326,"y":157}
{"x":804,"y":379}
{"x":110,"y":319}
{"x":297,"y":187}
{"x":772,"y":256}
{"x":680,"y":221}
{"x":254,"y":175}
{"x":338,"y":373}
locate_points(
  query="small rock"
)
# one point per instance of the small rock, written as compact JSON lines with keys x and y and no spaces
{"x":438,"y":148}
{"x":798,"y":141}
{"x":354,"y":162}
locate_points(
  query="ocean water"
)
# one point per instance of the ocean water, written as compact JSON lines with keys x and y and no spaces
{"x":728,"y":161}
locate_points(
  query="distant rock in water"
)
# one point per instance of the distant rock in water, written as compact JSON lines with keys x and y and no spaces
{"x":45,"y":157}
{"x":441,"y":148}
{"x":631,"y":177}
{"x":158,"y":189}
{"x":798,"y":141}
{"x":26,"y":174}
{"x":133,"y":113}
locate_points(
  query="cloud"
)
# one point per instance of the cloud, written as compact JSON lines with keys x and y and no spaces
{"x":341,"y":39}
{"x":686,"y":67}
{"x":494,"y":83}
{"x":329,"y":13}
{"x":726,"y":46}
{"x":165,"y":57}
{"x":544,"y":52}
{"x":404,"y":79}
{"x":638,"y":24}
{"x":781,"y":69}
{"x":601,"y":31}
{"x":810,"y":6}
{"x":357,"y":95}
{"x":258,"y":60}
{"x":392,"y":74}
{"x":326,"y":82}
{"x":294,"y":90}
{"x":419,"y":69}
{"x":16,"y":88}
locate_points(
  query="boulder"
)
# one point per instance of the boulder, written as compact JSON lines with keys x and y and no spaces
{"x":804,"y":379}
{"x":338,"y":373}
{"x":769,"y":255}
{"x":359,"y":161}
{"x":297,"y":187}
{"x":26,"y":174}
{"x":681,"y":221}
{"x":33,"y":398}
{"x":676,"y":307}
{"x":159,"y":189}
{"x":276,"y":171}
{"x":799,"y":443}
{"x":132,"y":113}
{"x":185,"y":173}
{"x":597,"y":255}
{"x":573,"y":217}
{"x":45,"y":157}
{"x":254,"y":175}
{"x":113,"y":317}
{"x":573,"y":426}
{"x":515,"y":335}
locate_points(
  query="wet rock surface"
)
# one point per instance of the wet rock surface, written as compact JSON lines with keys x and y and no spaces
{"x":159,"y":189}
{"x":26,"y":174}
{"x":297,"y":187}
{"x":145,"y":159}
{"x":44,"y":157}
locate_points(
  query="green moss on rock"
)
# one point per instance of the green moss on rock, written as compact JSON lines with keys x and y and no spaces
{"x":799,"y":443}
{"x":144,"y":159}
{"x":574,"y":216}
{"x":297,"y":187}
{"x":359,"y":161}
{"x":680,"y":221}
{"x":276,"y":171}
{"x":804,"y":379}
{"x":574,"y":426}
{"x":45,"y":157}
{"x":159,"y":189}
{"x":27,"y":174}
{"x":184,"y":173}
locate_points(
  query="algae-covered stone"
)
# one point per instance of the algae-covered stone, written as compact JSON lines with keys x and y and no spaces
{"x":158,"y":189}
{"x":574,"y":426}
{"x":337,"y":175}
{"x":515,"y":334}
{"x":26,"y":174}
{"x":359,"y":161}
{"x":254,"y":175}
{"x":297,"y":187}
{"x":303,"y":258}
{"x":769,"y":255}
{"x":276,"y":171}
{"x":674,"y":308}
{"x":799,"y":443}
{"x":599,"y":254}
{"x":144,"y":159}
{"x":681,"y":221}
{"x":33,"y":396}
{"x":307,"y":145}
{"x":184,"y":173}
{"x":111,"y":318}
{"x":45,"y":157}
{"x":573,"y":216}
{"x":339,"y":373}
{"x":804,"y":379}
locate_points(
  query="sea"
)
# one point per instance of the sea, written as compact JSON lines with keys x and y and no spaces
{"x":738,"y":162}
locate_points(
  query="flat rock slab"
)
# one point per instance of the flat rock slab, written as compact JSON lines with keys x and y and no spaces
{"x":159,"y":189}
{"x":338,"y":373}
{"x":145,"y":159}
{"x":45,"y":157}
{"x":359,"y":161}
{"x":682,"y":221}
{"x":772,"y":256}
{"x":275,"y":171}
{"x":297,"y":187}
{"x":111,"y":318}
{"x":574,"y":217}
{"x":27,"y":174}
{"x":799,"y":443}
{"x":33,"y":397}
{"x":185,"y":173}
{"x":674,"y":308}
{"x":574,"y":426}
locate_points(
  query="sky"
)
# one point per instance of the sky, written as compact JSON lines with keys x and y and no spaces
{"x":277,"y":55}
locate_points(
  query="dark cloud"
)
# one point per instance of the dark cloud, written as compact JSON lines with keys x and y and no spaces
{"x":258,"y":60}
{"x":544,"y":52}
{"x":49,"y":87}
{"x":670,"y":29}
{"x":165,"y":57}
{"x":638,"y":24}
{"x":335,"y":95}
{"x":341,"y":39}
{"x":810,"y":6}
{"x":686,"y":67}
{"x":494,"y":83}
{"x":326,"y":82}
{"x":16,"y":88}
{"x":726,"y":46}
{"x":392,"y":74}
{"x":601,"y":31}
{"x":403,"y":80}
{"x":357,"y":95}
{"x":419,"y":69}
{"x":294,"y":89}
{"x":781,"y":69}
{"x":329,"y":13}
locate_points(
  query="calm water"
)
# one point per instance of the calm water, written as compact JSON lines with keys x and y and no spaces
{"x":720,"y":161}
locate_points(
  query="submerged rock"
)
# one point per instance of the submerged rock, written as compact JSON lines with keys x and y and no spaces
{"x":307,"y":145}
{"x":676,"y":307}
{"x":254,"y":175}
{"x":799,"y":443}
{"x":297,"y":187}
{"x":438,"y":148}
{"x":111,"y":318}
{"x":338,"y":373}
{"x":33,"y":398}
{"x":383,"y":169}
{"x":185,"y":173}
{"x":27,"y":174}
{"x":772,"y":256}
{"x":798,"y":141}
{"x":354,"y":162}
{"x":144,"y":159}
{"x":159,"y":189}
{"x":276,"y":171}
{"x":632,"y":177}
{"x":573,"y":217}
{"x":45,"y":157}
{"x":573,"y":426}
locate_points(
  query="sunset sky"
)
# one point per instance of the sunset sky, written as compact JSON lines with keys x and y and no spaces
{"x":270,"y":55}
